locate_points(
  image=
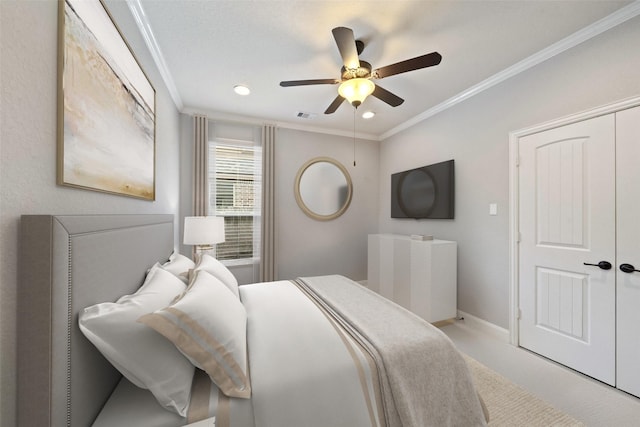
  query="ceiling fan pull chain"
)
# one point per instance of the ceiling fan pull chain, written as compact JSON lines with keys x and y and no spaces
{"x":354,"y":137}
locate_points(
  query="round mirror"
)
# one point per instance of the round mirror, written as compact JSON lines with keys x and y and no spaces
{"x":323,"y":188}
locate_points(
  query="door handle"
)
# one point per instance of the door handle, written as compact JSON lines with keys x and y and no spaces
{"x":628,"y":268}
{"x":605,"y":265}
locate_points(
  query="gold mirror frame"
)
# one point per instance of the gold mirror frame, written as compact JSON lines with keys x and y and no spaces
{"x":301,"y":203}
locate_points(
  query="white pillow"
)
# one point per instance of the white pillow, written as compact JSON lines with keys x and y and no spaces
{"x":208,"y":324}
{"x":218,"y":270}
{"x":179,"y":265}
{"x":142,"y":355}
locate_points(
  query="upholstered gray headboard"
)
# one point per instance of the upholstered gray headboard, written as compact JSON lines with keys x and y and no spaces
{"x":67,"y":263}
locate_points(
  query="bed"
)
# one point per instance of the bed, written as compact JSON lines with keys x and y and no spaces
{"x":319,"y":350}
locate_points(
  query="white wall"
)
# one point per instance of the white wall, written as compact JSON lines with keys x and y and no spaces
{"x":476,"y":134}
{"x":28,"y":151}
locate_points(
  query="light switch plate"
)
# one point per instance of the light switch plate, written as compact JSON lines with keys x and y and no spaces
{"x":493,"y":209}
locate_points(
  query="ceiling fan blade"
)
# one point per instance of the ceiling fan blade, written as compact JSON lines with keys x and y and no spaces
{"x":347,"y":46}
{"x":334,"y":105}
{"x":386,"y":96}
{"x":424,"y":61}
{"x":309,"y":82}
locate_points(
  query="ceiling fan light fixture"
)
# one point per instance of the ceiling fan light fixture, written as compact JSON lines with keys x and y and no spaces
{"x":356,"y":90}
{"x":355,"y":74}
{"x":241,"y":90}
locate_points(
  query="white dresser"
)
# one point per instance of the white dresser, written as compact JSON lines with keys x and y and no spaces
{"x":419,"y":275}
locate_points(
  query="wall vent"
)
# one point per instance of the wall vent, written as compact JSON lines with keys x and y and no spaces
{"x":303,"y":115}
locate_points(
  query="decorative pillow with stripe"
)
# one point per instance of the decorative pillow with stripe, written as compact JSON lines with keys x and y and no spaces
{"x":208,"y":324}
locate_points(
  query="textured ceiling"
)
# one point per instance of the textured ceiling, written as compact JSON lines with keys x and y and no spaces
{"x":210,"y":46}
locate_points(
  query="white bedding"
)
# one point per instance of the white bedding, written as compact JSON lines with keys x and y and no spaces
{"x":301,"y":370}
{"x":133,"y":406}
{"x":304,"y":370}
{"x":130,"y":405}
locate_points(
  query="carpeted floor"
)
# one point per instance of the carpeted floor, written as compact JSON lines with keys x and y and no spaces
{"x":510,"y":405}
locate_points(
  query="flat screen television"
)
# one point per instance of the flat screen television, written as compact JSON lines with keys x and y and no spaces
{"x":426,"y":192}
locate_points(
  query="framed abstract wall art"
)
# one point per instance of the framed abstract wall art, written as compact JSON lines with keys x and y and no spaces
{"x":106,"y":106}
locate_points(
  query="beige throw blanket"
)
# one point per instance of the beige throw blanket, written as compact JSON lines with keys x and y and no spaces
{"x":424,"y":379}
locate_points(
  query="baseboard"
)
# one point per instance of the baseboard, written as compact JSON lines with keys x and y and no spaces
{"x":482,"y":325}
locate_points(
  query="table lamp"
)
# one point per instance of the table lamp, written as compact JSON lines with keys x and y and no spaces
{"x":203,"y":231}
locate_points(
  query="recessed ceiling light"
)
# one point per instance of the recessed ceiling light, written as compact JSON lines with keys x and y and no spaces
{"x":368,"y":114}
{"x":241,"y":90}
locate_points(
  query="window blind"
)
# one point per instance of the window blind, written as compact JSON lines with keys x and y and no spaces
{"x":234,"y":193}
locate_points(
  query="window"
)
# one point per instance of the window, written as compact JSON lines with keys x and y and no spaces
{"x":235,"y":194}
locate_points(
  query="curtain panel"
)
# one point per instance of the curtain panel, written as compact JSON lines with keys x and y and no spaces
{"x":268,"y":270}
{"x":268,"y":264}
{"x":200,"y":166}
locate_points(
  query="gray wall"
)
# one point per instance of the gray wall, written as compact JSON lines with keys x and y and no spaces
{"x":476,"y":134}
{"x":307,"y":247}
{"x":28,"y":151}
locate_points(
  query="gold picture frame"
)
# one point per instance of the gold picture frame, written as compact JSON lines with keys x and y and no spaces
{"x":106,"y":106}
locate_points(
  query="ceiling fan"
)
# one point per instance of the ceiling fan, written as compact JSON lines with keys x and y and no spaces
{"x":356,"y":81}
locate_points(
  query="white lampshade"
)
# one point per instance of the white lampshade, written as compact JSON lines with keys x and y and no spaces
{"x":203,"y":230}
{"x":356,"y":90}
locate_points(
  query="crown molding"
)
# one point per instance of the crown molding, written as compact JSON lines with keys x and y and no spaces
{"x":616,"y":18}
{"x":254,"y":121}
{"x":149,"y":38}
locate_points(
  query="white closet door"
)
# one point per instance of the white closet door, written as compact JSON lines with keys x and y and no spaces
{"x":628,"y":235}
{"x":566,"y":219}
